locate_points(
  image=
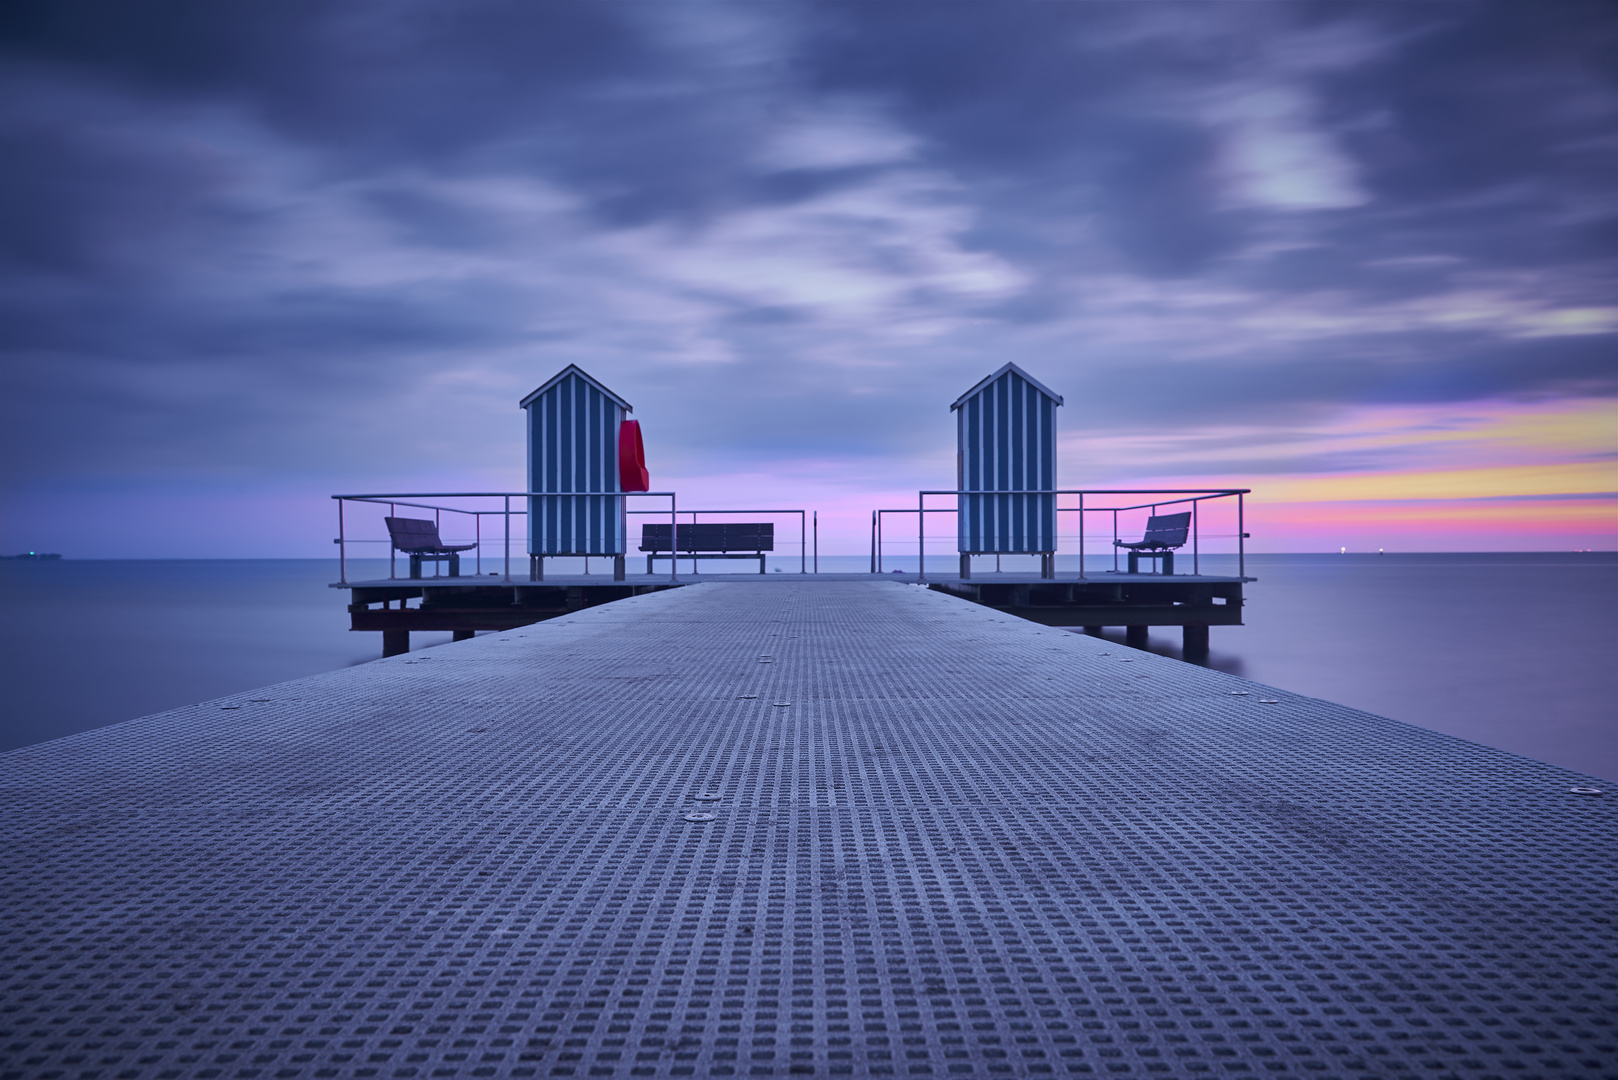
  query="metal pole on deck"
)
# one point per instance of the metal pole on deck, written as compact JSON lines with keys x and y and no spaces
{"x":477,"y":534}
{"x":393,"y":559}
{"x":803,"y":546}
{"x":342,"y":547}
{"x":817,"y":541}
{"x":873,"y":541}
{"x":1081,"y":536}
{"x":1241,"y":538}
{"x":508,"y":537}
{"x":1196,"y":538}
{"x":921,"y":536}
{"x":674,"y":538}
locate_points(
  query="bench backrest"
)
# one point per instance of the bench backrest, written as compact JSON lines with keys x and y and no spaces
{"x":412,"y":534}
{"x":720,"y":537}
{"x":1168,"y":530}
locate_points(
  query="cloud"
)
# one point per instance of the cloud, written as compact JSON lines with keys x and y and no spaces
{"x":1275,"y":156}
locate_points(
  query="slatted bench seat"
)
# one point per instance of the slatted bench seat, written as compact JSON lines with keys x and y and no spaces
{"x":723,"y":540}
{"x":418,"y":538}
{"x":1164,"y":533}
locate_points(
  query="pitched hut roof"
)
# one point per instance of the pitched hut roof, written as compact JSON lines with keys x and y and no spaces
{"x":574,"y":369}
{"x":1035,"y":383}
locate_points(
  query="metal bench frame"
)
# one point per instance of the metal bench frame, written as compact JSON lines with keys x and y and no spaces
{"x":1164,"y":533}
{"x":715,"y":540}
{"x":418,"y":538}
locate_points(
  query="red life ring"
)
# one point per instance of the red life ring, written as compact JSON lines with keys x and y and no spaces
{"x":632,"y":474}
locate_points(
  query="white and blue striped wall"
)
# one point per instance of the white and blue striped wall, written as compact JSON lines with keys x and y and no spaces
{"x":1006,"y":437}
{"x":573,"y":447}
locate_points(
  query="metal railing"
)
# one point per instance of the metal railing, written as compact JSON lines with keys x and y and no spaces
{"x":1111,"y":504}
{"x":505,"y":511}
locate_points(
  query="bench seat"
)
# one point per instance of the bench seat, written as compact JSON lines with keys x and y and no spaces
{"x":719,"y":540}
{"x":1164,"y":533}
{"x":418,"y":538}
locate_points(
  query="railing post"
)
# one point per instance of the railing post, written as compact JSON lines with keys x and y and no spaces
{"x":477,"y":534}
{"x":342,"y":547}
{"x":803,"y":546}
{"x":1115,"y":541}
{"x":393,"y":558}
{"x":873,"y":541}
{"x":674,"y":538}
{"x":1196,"y":538}
{"x":921,"y":536}
{"x":508,"y":537}
{"x":1081,"y":536}
{"x":1241,"y":537}
{"x":817,"y":541}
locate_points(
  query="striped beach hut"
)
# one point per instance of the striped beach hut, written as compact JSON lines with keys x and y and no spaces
{"x":1006,"y":442}
{"x":573,"y":440}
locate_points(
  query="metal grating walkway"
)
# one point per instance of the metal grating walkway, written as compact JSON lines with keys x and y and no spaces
{"x":946,"y":843}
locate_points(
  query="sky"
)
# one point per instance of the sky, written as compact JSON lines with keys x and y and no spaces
{"x":1357,"y":257}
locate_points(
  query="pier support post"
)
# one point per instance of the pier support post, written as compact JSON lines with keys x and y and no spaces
{"x":617,"y":568}
{"x":1196,"y":639}
{"x":1137,"y":637}
{"x":395,"y":642}
{"x":464,"y":635}
{"x":1094,"y":631}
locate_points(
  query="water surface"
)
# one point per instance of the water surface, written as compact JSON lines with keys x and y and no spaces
{"x":1515,"y":651}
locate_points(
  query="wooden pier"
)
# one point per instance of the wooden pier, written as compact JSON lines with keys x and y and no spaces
{"x":805,"y":828}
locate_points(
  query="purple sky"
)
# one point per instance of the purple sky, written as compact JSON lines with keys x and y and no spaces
{"x":255,"y":253}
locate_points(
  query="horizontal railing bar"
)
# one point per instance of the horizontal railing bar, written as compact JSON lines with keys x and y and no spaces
{"x":1100,"y":491}
{"x":385,"y":496}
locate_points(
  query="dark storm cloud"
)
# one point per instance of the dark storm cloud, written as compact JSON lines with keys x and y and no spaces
{"x":788,"y":230}
{"x":1480,"y":130}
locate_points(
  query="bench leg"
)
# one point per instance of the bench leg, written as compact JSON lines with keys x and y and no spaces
{"x":536,"y":568}
{"x":1094,"y":631}
{"x":415,"y":571}
{"x":966,"y":567}
{"x":464,"y":635}
{"x":1168,"y":562}
{"x":1134,"y":562}
{"x":395,"y":642}
{"x":761,"y":559}
{"x":455,"y":565}
{"x":1137,"y":637}
{"x":617,"y":568}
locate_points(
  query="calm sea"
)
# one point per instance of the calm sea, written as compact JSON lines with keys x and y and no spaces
{"x":1512,"y":650}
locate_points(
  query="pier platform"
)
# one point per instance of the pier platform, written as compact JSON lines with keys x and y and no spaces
{"x":467,"y":604}
{"x":829,"y":828}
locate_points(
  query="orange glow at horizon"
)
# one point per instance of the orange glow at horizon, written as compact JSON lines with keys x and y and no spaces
{"x":1447,"y":477}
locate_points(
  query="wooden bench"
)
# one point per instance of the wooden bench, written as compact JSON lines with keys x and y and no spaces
{"x":1164,"y":533}
{"x":727,"y":540}
{"x":418,"y":538}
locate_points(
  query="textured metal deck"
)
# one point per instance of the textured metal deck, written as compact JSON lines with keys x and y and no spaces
{"x":945,"y":842}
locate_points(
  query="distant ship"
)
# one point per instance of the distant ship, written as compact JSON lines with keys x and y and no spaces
{"x":35,"y":555}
